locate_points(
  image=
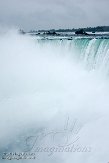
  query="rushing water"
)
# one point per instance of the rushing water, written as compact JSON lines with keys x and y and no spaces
{"x":54,"y":96}
{"x":93,"y":52}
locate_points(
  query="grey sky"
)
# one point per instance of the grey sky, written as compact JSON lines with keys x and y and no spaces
{"x":46,"y":14}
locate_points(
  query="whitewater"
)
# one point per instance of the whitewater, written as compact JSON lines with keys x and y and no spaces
{"x":54,"y":96}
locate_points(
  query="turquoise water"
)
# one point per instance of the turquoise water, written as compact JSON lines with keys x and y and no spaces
{"x":54,"y":95}
{"x":94,"y":53}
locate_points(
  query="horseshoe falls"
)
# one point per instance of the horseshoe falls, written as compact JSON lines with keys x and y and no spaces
{"x":93,"y":53}
{"x":54,"y":99}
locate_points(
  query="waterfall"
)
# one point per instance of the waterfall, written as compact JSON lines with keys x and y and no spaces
{"x":94,"y":53}
{"x":54,"y":99}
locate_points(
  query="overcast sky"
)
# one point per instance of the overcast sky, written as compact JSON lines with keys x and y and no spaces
{"x":47,"y":14}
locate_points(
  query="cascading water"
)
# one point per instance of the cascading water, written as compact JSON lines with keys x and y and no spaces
{"x":93,"y":52}
{"x":54,"y":99}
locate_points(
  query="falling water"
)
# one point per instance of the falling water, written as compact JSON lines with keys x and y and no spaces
{"x":54,"y":90}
